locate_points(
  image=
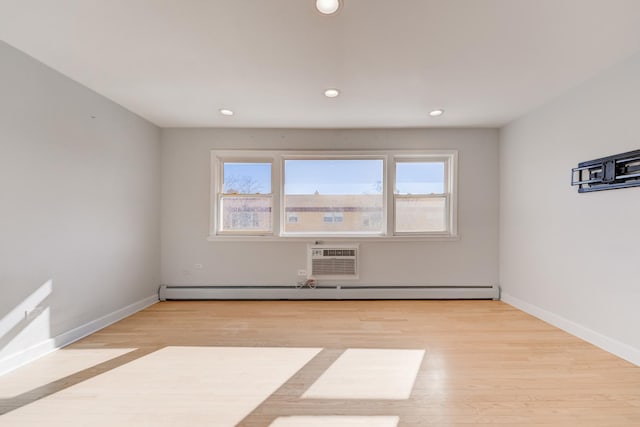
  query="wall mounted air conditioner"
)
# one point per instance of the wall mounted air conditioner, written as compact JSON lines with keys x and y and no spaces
{"x":332,"y":262}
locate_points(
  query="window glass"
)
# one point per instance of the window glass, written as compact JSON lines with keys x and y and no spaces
{"x":246,"y":204}
{"x":333,"y":195}
{"x":247,"y":178}
{"x":420,"y":202}
{"x":419,"y":177}
{"x":420,"y":214}
{"x":245,"y":213}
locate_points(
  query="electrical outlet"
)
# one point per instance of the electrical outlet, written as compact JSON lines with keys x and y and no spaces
{"x":302,"y":273}
{"x":197,"y":266}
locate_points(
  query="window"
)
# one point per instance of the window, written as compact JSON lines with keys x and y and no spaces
{"x":368,"y":194}
{"x":244,"y":220}
{"x":372,"y":220}
{"x":333,"y":217}
{"x":332,"y":194}
{"x":245,"y":199}
{"x":420,"y":200}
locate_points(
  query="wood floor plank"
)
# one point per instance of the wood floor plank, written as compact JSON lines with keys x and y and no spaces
{"x":485,"y":362}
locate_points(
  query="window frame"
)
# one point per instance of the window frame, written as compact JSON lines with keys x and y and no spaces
{"x":278,"y":215}
{"x":217,"y":194}
{"x":448,"y":191}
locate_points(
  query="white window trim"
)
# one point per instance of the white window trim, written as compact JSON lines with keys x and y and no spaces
{"x":218,"y":158}
{"x":276,"y":158}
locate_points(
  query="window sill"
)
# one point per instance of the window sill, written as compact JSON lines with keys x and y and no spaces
{"x":325,"y":239}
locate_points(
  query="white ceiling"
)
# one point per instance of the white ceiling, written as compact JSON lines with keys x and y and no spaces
{"x":176,"y":62}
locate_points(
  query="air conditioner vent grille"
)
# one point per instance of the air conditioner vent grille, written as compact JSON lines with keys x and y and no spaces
{"x":333,"y":262}
{"x":333,"y":266}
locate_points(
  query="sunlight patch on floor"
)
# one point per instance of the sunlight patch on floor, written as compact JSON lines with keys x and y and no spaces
{"x":334,"y":421}
{"x":54,"y":366}
{"x":215,"y":386}
{"x":369,"y":374}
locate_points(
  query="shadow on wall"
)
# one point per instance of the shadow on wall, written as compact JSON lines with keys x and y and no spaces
{"x":25,"y":325}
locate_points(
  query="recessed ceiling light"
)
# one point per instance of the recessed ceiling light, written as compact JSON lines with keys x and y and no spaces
{"x":226,"y":112}
{"x":327,"y":7}
{"x":436,"y":113}
{"x":331,"y":93}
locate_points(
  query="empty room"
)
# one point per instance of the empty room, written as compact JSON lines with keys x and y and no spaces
{"x":319,"y":213}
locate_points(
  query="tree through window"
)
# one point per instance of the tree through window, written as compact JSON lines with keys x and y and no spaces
{"x":246,"y":202}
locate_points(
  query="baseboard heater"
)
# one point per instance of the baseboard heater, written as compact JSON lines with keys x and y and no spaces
{"x":337,"y":292}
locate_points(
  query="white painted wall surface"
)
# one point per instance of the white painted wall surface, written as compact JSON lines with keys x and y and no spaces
{"x":79,"y":205}
{"x":574,"y":258}
{"x":470,"y":260}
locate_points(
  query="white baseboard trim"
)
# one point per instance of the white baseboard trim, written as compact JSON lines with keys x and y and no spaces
{"x":36,"y":351}
{"x":611,"y":345}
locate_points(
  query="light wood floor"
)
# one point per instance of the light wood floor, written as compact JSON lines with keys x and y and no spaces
{"x":484,"y":363}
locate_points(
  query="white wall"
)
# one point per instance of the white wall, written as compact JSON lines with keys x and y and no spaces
{"x":185,"y":211}
{"x":79,"y":207}
{"x":573,"y":259}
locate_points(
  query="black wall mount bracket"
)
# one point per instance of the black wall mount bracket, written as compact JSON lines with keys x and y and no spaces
{"x":608,"y":173}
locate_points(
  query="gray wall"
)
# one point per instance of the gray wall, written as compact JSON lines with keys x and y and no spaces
{"x":473,"y":259}
{"x":79,"y":204}
{"x":573,"y":258}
